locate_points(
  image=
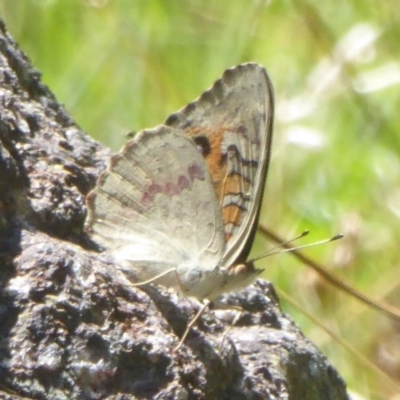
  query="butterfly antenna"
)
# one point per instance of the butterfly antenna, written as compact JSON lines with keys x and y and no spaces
{"x":283,"y":244}
{"x":272,"y":251}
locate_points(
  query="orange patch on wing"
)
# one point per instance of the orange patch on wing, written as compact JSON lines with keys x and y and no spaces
{"x":232,"y":214}
{"x":233,"y":184}
{"x":214,"y":159}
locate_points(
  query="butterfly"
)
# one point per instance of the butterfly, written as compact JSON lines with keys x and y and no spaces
{"x":179,"y":205}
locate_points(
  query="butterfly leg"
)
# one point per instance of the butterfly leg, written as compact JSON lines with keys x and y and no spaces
{"x":154,"y":278}
{"x":196,"y":317}
{"x":239,"y":310}
{"x":191,"y":323}
{"x":236,"y":319}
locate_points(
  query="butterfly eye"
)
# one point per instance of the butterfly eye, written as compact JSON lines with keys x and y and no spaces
{"x":203,"y":145}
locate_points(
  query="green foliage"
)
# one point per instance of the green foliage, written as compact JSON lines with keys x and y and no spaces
{"x":126,"y":65}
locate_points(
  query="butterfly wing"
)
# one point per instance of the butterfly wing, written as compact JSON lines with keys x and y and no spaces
{"x":232,"y":125}
{"x":155,"y":206}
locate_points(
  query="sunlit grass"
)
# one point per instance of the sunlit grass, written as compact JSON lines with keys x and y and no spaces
{"x":125,"y":65}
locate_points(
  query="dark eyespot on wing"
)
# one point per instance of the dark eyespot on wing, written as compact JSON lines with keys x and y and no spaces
{"x":203,"y":144}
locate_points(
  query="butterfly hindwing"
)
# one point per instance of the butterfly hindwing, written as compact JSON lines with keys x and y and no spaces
{"x":155,"y":205}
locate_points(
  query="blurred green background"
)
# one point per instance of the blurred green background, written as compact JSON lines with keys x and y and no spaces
{"x":121,"y":66}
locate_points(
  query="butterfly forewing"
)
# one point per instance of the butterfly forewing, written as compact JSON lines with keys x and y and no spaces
{"x":232,"y":125}
{"x":155,"y":205}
